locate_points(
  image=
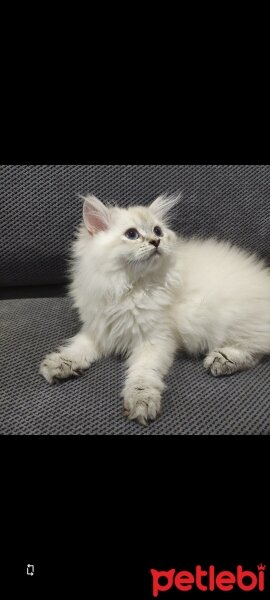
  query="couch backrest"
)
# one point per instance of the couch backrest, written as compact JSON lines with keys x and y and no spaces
{"x":40,"y":208}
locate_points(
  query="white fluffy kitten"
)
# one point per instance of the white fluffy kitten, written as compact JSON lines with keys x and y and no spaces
{"x":144,"y":292}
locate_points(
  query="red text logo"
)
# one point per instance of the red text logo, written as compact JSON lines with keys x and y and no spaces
{"x":208,"y":580}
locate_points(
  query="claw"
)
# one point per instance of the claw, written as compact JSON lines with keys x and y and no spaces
{"x":142,"y":420}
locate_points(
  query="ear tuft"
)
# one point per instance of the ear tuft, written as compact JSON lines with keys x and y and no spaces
{"x":163,"y":204}
{"x":96,"y":215}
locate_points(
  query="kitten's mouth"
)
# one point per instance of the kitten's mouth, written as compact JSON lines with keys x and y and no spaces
{"x":153,"y":254}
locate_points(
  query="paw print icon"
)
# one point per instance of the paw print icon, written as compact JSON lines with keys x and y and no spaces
{"x":30,"y":570}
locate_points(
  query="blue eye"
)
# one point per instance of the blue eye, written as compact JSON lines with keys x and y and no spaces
{"x":158,"y":231}
{"x":132,"y":234}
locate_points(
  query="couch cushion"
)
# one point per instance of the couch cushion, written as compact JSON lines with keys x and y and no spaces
{"x":40,"y":208}
{"x":194,"y":403}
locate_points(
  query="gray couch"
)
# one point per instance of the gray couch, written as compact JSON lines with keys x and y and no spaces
{"x":39,"y":212}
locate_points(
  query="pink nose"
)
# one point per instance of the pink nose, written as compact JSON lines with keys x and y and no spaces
{"x":155,"y":243}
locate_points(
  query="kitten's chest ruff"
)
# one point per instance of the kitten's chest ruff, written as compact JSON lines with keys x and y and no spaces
{"x":120,"y":323}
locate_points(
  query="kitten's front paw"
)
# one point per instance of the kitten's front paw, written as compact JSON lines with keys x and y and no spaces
{"x":141,"y":403}
{"x":55,"y":366}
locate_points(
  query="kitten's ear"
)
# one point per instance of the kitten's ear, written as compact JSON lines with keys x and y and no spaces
{"x":95,"y":215}
{"x":163,"y":204}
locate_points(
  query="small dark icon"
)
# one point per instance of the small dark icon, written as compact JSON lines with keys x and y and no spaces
{"x":30,"y":570}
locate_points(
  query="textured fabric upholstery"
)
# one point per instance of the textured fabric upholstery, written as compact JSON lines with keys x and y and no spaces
{"x":40,"y":208}
{"x":39,"y":211}
{"x":194,"y":402}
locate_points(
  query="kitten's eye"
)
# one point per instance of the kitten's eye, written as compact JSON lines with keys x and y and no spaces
{"x":158,"y":231}
{"x":132,"y":234}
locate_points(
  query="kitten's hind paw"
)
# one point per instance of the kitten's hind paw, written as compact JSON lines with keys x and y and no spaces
{"x":142,"y":404}
{"x":220,"y":364}
{"x":230,"y":359}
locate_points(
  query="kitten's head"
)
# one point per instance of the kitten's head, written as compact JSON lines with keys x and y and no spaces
{"x":136,"y":238}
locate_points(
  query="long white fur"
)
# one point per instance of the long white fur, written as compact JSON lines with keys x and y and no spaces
{"x":201,"y":296}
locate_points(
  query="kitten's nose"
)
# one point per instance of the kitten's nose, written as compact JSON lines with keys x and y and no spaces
{"x":155,"y":243}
